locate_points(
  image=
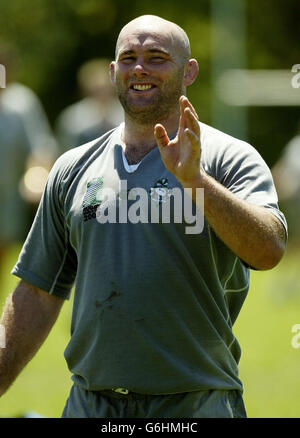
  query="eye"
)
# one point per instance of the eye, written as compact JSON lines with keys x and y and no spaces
{"x":157,"y":59}
{"x":127,"y":59}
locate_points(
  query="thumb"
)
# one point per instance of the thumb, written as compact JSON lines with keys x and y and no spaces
{"x":161,"y":136}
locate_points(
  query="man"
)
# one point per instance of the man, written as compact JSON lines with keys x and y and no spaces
{"x":154,"y":303}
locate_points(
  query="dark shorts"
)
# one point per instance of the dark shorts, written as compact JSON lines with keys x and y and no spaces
{"x":198,"y":404}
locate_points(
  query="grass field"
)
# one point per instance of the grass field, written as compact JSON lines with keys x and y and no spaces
{"x":269,"y":367}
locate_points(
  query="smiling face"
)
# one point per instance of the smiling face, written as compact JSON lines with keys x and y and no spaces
{"x":151,"y":59}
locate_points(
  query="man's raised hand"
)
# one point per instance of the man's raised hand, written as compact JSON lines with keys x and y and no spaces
{"x":182,"y":155}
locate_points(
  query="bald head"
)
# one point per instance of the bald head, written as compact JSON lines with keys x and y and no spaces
{"x":155,"y":53}
{"x":156,"y":25}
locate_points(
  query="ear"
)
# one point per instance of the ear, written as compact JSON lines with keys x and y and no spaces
{"x":191,"y":72}
{"x":112,"y":67}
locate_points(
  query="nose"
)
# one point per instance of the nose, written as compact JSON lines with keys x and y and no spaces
{"x":139,"y":69}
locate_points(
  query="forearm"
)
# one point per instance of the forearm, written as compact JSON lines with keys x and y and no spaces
{"x":251,"y":232}
{"x":28,"y":317}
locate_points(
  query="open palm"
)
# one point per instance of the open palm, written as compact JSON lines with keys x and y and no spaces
{"x":182,"y":155}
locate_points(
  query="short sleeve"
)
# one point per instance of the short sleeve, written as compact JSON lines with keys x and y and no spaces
{"x":47,"y":259}
{"x":245,"y":173}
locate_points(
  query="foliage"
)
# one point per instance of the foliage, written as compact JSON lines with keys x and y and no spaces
{"x":54,"y":37}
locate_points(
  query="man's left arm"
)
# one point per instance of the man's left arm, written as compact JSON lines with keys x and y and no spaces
{"x":252,"y":232}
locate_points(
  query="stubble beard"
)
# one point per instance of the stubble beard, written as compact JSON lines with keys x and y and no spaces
{"x":158,"y":108}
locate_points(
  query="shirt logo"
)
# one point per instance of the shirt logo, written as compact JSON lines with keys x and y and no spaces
{"x":92,"y":198}
{"x":160,"y":192}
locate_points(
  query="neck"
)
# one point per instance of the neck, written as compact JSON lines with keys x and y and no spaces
{"x":139,"y":138}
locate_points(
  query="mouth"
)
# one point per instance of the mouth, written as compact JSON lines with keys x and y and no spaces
{"x":141,"y":88}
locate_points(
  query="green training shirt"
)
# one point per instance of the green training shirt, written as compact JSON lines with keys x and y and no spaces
{"x":154,"y":303}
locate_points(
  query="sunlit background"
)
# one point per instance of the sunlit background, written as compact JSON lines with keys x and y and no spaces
{"x":248,"y":86}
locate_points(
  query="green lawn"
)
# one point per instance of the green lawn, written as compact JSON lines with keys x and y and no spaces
{"x":44,"y":385}
{"x":269,"y":366}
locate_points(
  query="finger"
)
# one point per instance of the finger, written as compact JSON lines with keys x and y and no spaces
{"x":187,"y":104}
{"x":191,"y":134}
{"x":193,"y":110}
{"x":191,"y":121}
{"x":184,"y":103}
{"x":182,"y":124}
{"x":193,"y":138}
{"x":161,"y":136}
{"x":183,"y":107}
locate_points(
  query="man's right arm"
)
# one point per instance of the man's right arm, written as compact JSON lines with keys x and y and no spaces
{"x":28,"y":317}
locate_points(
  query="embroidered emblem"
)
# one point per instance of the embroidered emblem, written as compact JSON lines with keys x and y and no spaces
{"x":92,"y":198}
{"x":160,"y":192}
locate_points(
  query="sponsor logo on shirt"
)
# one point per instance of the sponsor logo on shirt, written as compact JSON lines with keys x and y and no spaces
{"x":160,"y":192}
{"x":92,"y":198}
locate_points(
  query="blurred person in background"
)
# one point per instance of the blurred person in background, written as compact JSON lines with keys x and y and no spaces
{"x":286,"y":174}
{"x":96,"y":113}
{"x":27,"y":151}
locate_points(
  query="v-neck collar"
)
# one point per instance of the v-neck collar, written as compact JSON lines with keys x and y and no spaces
{"x":131,"y":168}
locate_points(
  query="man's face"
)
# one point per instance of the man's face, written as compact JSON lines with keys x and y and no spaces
{"x":148,"y":75}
